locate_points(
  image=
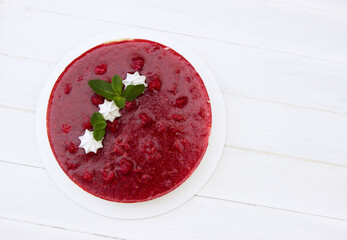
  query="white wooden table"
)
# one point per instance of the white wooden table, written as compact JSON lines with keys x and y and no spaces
{"x":282,"y":67}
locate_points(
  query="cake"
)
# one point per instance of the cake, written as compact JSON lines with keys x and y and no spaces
{"x":157,"y":140}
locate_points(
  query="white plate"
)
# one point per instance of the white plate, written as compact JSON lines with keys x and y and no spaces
{"x":159,"y":205}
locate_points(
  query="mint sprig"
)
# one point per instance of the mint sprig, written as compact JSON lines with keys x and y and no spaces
{"x":114,"y":90}
{"x":133,"y":91}
{"x":117,"y":84}
{"x":102,"y":88}
{"x":99,"y":124}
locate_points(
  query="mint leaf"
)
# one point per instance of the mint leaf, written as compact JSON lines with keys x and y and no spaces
{"x":133,"y":91}
{"x":117,"y":84}
{"x":102,"y":88}
{"x":99,"y":134}
{"x":100,"y":125}
{"x":96,"y":118}
{"x":119,"y":101}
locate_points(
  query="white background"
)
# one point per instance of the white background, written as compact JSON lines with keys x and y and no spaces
{"x":282,"y":67}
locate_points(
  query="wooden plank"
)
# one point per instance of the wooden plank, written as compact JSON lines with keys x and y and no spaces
{"x":240,"y":70}
{"x":21,"y":88}
{"x":260,"y":24}
{"x":13,"y":230}
{"x":331,"y":6}
{"x":279,"y":182}
{"x":201,"y":218}
{"x":288,"y":130}
{"x":17,"y":139}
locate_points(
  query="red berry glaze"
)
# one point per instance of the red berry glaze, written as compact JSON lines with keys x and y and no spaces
{"x":145,"y":119}
{"x":130,"y":106}
{"x":112,"y":126}
{"x":158,"y":141}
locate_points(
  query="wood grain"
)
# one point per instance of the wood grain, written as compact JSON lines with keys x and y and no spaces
{"x":260,"y":24}
{"x":279,"y":182}
{"x":13,"y":230}
{"x":39,"y":201}
{"x":322,"y":6}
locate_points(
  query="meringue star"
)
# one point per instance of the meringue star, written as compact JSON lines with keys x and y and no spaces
{"x":134,"y":79}
{"x":109,"y":110}
{"x":89,"y":143}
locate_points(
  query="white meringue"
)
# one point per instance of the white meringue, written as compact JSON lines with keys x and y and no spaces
{"x":134,"y":79}
{"x":89,"y":143}
{"x":109,"y":110}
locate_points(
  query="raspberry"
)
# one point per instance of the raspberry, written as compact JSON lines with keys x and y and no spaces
{"x":87,"y":125}
{"x":108,"y":176}
{"x":177,"y":118}
{"x":173,"y":89}
{"x":145,"y":119}
{"x":100,"y":69}
{"x":80,"y":79}
{"x":125,"y":166}
{"x":65,"y":128}
{"x":161,"y":127}
{"x":202,"y":113}
{"x":149,"y":147}
{"x":130,"y":105}
{"x":181,"y":102}
{"x":118,"y":151}
{"x":112,"y":126}
{"x":125,"y":146}
{"x":90,"y":155}
{"x":195,"y":92}
{"x":97,"y":99}
{"x":154,"y":83}
{"x":179,"y":146}
{"x":145,"y":177}
{"x":175,"y":130}
{"x":67,"y":88}
{"x":154,"y":156}
{"x":137,"y":63}
{"x":88,"y":175}
{"x":71,"y":166}
{"x":72,"y":148}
